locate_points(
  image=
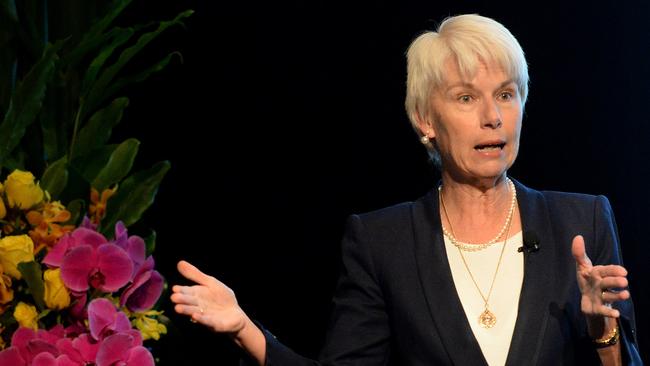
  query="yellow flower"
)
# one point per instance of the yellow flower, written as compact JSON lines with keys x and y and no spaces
{"x":149,"y":327}
{"x":56,"y":295}
{"x":13,"y":250}
{"x":6,"y":292}
{"x":26,"y":315}
{"x":3,"y":345}
{"x":3,"y":209}
{"x":97,"y":208}
{"x":46,"y":222}
{"x":22,"y":191}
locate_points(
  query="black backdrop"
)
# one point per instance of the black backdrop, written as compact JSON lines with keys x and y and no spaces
{"x":286,"y":117}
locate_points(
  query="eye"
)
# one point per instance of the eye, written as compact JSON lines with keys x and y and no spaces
{"x":465,"y":99}
{"x":506,"y":95}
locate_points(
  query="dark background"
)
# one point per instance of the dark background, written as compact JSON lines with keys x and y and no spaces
{"x":286,"y":117}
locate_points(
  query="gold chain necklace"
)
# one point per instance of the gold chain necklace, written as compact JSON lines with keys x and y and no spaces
{"x":474,"y":247}
{"x":487,"y":319}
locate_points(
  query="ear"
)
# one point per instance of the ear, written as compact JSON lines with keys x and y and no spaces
{"x":425,"y":125}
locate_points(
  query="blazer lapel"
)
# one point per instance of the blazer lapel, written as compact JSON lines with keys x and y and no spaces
{"x":442,"y":298}
{"x":435,"y":275}
{"x":539,"y":279}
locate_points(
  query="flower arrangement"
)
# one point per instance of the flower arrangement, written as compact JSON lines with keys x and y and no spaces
{"x":75,"y":287}
{"x":68,"y":295}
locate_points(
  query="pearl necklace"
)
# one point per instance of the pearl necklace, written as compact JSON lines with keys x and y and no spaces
{"x":487,"y":319}
{"x":474,"y":247}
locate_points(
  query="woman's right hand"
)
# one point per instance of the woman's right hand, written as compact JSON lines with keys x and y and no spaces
{"x":208,"y":302}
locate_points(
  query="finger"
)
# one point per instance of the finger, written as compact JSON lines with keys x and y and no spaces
{"x":608,"y":311}
{"x":198,"y":317}
{"x":193,"y":274}
{"x":610,"y":297}
{"x":183,"y":299}
{"x":578,"y":251}
{"x":611,"y":270}
{"x":183,"y":289}
{"x":187,"y":309}
{"x":187,"y":290}
{"x":613,"y":283}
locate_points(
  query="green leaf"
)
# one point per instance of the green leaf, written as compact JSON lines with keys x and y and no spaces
{"x":95,"y":35}
{"x":159,"y":66}
{"x":120,"y":36}
{"x":43,"y":314}
{"x":150,"y":242}
{"x":92,"y":163}
{"x":134,"y":197}
{"x":97,"y":94}
{"x":98,"y":130}
{"x":77,"y":209}
{"x":16,"y":160}
{"x":33,"y":276}
{"x":118,"y":165}
{"x":26,"y":101}
{"x":57,"y":114}
{"x":76,"y":187}
{"x":55,"y":177}
{"x":7,"y":319}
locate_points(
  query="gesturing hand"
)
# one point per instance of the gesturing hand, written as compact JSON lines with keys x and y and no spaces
{"x":209,"y":302}
{"x":596,"y":281}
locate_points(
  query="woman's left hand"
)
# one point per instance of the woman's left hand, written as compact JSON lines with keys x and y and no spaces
{"x":597,"y":283}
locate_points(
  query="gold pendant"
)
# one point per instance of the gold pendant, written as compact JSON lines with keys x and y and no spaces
{"x":487,"y":319}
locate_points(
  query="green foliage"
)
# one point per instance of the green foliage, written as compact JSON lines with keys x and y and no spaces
{"x":33,"y":276}
{"x":55,"y":177}
{"x":135,"y":195}
{"x":150,"y":242}
{"x":59,"y":100}
{"x":26,"y":102}
{"x":118,"y":165}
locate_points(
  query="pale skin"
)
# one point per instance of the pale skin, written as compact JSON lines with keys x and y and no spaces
{"x":470,"y":114}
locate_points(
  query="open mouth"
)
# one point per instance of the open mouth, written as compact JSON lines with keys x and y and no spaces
{"x":490,"y":147}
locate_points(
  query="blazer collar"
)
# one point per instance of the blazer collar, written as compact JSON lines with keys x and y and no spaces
{"x":442,"y":298}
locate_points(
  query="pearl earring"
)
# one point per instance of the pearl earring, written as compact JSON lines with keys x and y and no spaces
{"x":424,"y":139}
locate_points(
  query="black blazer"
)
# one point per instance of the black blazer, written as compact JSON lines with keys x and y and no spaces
{"x":396,"y":303}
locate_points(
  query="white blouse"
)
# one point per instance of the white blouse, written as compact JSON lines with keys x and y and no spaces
{"x":504,"y":300}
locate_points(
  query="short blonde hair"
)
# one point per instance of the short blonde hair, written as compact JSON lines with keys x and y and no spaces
{"x":468,"y":40}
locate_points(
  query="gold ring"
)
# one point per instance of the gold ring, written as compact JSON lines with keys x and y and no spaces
{"x":602,"y":298}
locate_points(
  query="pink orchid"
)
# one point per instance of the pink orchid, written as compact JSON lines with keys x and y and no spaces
{"x":47,"y":359}
{"x":145,"y":289}
{"x":81,"y":350}
{"x":88,"y":224}
{"x":104,"y":319}
{"x":11,"y":357}
{"x":133,"y":245}
{"x":87,"y":259}
{"x":124,"y":349}
{"x":26,"y":345}
{"x":81,"y":236}
{"x":77,"y":307}
{"x":106,"y":267}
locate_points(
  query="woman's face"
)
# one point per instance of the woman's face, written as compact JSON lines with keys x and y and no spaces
{"x":477,"y":122}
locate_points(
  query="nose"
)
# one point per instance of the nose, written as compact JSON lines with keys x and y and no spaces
{"x":491,"y":115}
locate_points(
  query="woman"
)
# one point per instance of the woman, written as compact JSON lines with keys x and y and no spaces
{"x":482,"y":270}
